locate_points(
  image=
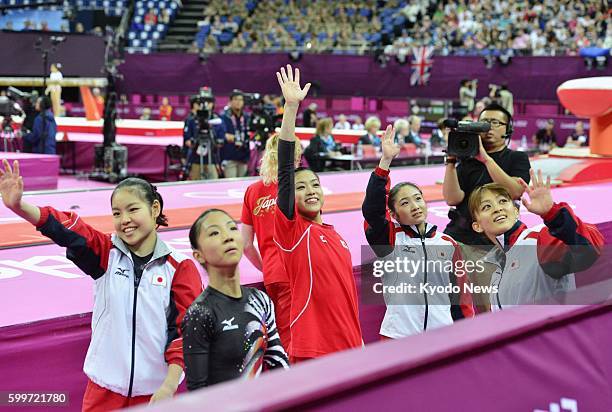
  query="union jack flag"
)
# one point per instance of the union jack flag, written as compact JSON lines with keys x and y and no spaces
{"x":421,"y":65}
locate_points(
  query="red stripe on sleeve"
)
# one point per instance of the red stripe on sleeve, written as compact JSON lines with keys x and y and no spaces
{"x":186,"y":287}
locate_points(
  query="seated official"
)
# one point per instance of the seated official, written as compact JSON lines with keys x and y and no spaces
{"x":578,"y":137}
{"x":546,"y":138}
{"x":414,"y":136}
{"x":321,"y":146}
{"x":372,"y":126}
{"x":439,"y":136}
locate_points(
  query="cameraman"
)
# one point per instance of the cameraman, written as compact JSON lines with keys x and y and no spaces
{"x":235,"y":152}
{"x":495,"y":163}
{"x":42,"y":137}
{"x":191,"y":144}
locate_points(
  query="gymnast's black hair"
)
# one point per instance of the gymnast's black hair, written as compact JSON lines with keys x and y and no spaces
{"x":194,"y":231}
{"x":147,"y":192}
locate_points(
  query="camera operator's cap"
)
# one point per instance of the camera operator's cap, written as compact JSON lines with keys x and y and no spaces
{"x":236,"y":92}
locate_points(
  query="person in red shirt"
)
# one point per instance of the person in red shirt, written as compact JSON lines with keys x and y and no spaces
{"x":324,"y":312}
{"x":165,"y":110}
{"x":151,"y":17}
{"x":258,"y":220}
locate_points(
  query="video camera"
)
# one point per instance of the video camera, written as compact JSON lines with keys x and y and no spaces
{"x":9,"y":104}
{"x":463,"y":139}
{"x":206,"y":116}
{"x":263,"y":118}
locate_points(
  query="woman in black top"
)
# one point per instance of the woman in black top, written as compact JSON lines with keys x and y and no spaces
{"x":229,"y":331}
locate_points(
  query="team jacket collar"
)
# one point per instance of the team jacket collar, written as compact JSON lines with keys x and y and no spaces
{"x":413,"y":230}
{"x":508,"y":239}
{"x":161,"y":249}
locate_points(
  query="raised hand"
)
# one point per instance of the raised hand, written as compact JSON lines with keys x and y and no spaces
{"x":290,"y":85}
{"x":11,"y":185}
{"x":540,"y":197}
{"x":389,"y":148}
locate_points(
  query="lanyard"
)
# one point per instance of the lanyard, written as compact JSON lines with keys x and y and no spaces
{"x":238,"y":131}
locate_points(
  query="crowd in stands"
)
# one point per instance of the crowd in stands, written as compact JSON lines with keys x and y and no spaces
{"x":455,"y":27}
{"x":550,"y":27}
{"x":464,"y":27}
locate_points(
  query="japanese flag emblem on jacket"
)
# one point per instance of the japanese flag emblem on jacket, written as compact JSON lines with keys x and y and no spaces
{"x":159,"y":280}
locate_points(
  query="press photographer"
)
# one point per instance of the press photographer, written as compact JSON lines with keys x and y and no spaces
{"x":9,"y":108}
{"x":42,"y":137}
{"x":203,"y":135}
{"x":262,"y":122}
{"x":235,"y":153}
{"x":476,"y":157}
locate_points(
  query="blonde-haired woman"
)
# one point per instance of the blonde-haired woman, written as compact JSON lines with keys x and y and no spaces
{"x":372,"y":126}
{"x":324,"y":131}
{"x":258,"y":220}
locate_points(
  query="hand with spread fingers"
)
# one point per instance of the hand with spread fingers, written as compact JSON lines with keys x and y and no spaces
{"x":11,"y":185}
{"x":289,"y":81}
{"x":389,"y":149}
{"x":540,"y":197}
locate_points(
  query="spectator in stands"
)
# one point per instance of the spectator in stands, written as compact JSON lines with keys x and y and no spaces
{"x":372,"y":126}
{"x":165,"y":110}
{"x":146,"y":114}
{"x":165,"y":16}
{"x":467,"y":93}
{"x":8,"y":25}
{"x":42,"y":137}
{"x":309,"y":116}
{"x":545,"y":138}
{"x":342,"y":123}
{"x":235,"y":152}
{"x":150,"y":19}
{"x":79,"y":28}
{"x":414,"y":135}
{"x":578,"y":137}
{"x":357,"y":124}
{"x":97,"y":31}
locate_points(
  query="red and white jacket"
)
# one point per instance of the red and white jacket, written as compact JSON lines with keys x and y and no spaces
{"x":435,"y":253}
{"x":127,"y":360}
{"x":539,"y":262}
